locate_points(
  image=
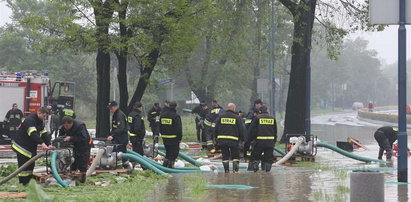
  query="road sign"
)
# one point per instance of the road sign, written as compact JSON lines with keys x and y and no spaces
{"x":165,"y":81}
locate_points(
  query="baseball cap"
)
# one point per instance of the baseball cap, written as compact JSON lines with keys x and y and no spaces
{"x":112,"y":104}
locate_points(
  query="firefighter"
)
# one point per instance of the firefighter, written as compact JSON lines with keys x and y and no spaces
{"x":137,"y":128}
{"x":209,"y":123}
{"x":200,"y":112}
{"x":229,"y":131}
{"x":31,"y":133}
{"x":67,"y":112}
{"x":263,"y":135}
{"x":171,"y":132}
{"x":119,"y":131}
{"x":254,"y":111}
{"x":76,"y":132}
{"x":13,"y":120}
{"x":153,"y":117}
{"x":386,"y":136}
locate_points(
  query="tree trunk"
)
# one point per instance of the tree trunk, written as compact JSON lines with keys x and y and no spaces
{"x":304,"y":14}
{"x":145,"y":76}
{"x":103,"y":12}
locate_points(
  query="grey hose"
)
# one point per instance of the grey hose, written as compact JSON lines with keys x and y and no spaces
{"x":95,"y":162}
{"x":24,"y":166}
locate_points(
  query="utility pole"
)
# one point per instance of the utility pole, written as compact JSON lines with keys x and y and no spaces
{"x":402,"y":98}
{"x":271,"y":61}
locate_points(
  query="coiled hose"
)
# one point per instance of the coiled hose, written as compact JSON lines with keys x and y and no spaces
{"x":24,"y":166}
{"x":54,"y":170}
{"x":96,"y":160}
{"x":161,"y":167}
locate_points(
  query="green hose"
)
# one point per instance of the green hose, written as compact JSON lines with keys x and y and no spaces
{"x":144,"y":163}
{"x":279,"y":151}
{"x":185,"y":157}
{"x":155,"y":162}
{"x":165,"y":169}
{"x":348,"y":154}
{"x":54,"y":170}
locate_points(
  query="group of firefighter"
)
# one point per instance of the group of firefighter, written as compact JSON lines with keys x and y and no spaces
{"x":232,"y":133}
{"x":219,"y":130}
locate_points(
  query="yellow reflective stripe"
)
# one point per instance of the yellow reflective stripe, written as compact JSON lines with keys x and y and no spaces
{"x":166,"y":121}
{"x":153,"y":112}
{"x":208,"y":123}
{"x":31,"y":130}
{"x":227,"y":137}
{"x":21,"y":150}
{"x":43,"y":132}
{"x":25,"y":174}
{"x":266,"y":138}
{"x":130,"y":119}
{"x":236,"y":159}
{"x":115,"y":126}
{"x":132,"y":135}
{"x":215,"y":111}
{"x":247,"y":121}
{"x":68,"y":112}
{"x":213,"y":125}
{"x":266,"y":121}
{"x":224,"y":161}
{"x":168,"y":136}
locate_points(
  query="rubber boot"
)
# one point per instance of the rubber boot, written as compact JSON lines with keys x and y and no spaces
{"x":262,"y":166}
{"x":83,"y":177}
{"x":165,"y":163}
{"x":236,"y":166}
{"x":389,"y":155}
{"x":255,"y":166}
{"x":250,"y":166}
{"x":268,"y":167}
{"x":226,"y":167}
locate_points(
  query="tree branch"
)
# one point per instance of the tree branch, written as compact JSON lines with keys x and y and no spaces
{"x":290,"y":5}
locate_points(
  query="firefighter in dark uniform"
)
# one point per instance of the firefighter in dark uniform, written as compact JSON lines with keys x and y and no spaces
{"x":119,"y":130}
{"x":31,"y":133}
{"x":137,"y":128}
{"x":254,"y":111}
{"x":209,"y":123}
{"x":263,"y":135}
{"x":386,"y":136}
{"x":229,"y":131}
{"x":13,"y":120}
{"x":76,"y":132}
{"x":153,"y":117}
{"x":200,"y":112}
{"x":171,"y":132}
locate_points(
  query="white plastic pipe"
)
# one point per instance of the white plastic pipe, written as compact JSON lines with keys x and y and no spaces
{"x":95,"y":162}
{"x":298,"y":141}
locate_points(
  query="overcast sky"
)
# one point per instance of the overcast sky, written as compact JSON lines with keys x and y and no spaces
{"x":385,"y":42}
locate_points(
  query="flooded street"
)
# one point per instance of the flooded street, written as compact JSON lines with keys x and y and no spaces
{"x":327,"y":179}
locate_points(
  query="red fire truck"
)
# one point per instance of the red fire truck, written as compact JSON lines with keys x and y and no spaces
{"x":32,"y":90}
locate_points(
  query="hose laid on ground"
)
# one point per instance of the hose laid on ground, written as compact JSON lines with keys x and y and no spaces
{"x":144,"y":163}
{"x":54,"y":170}
{"x":183,"y":168}
{"x":161,"y":167}
{"x":185,"y":157}
{"x":96,"y":160}
{"x":348,"y":154}
{"x":290,"y":153}
{"x":24,"y":166}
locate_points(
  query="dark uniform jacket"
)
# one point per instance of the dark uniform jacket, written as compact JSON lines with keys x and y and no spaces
{"x":119,"y":128}
{"x":31,"y":133}
{"x":263,"y":129}
{"x":170,"y":127}
{"x":136,"y":125}
{"x":390,"y":133}
{"x":212,"y":116}
{"x":151,"y":116}
{"x":229,"y":128}
{"x":13,"y":119}
{"x":78,"y":133}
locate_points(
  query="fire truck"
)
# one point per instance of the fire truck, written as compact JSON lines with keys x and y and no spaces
{"x":32,"y":90}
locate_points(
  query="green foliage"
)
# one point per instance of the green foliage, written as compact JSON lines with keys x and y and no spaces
{"x":196,"y":186}
{"x":6,"y":170}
